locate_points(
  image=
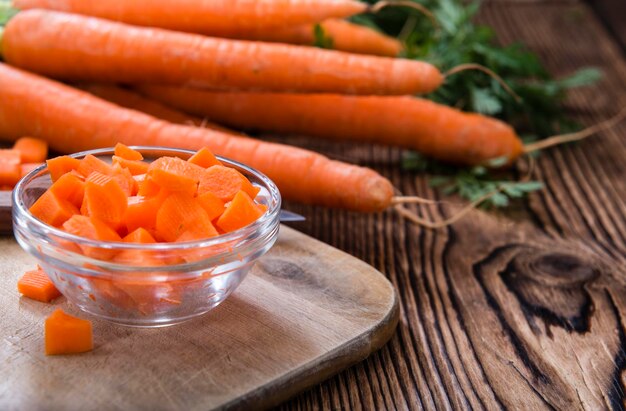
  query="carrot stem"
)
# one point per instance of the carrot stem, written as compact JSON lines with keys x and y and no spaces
{"x":577,"y":136}
{"x":489,"y":72}
{"x":378,"y":6}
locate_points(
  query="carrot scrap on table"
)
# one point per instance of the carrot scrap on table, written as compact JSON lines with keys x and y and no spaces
{"x":36,"y":285}
{"x":65,"y":334}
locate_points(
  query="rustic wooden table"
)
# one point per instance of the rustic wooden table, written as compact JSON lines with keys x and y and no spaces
{"x":524,"y":310}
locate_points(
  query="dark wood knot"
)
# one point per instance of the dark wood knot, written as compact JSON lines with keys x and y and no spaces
{"x":552,"y":286}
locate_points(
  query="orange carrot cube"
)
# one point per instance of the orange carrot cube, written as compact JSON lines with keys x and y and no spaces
{"x":32,"y":150}
{"x":239,"y":213}
{"x":204,"y":158}
{"x":10,"y":170}
{"x":36,"y":285}
{"x":225,"y":182}
{"x":61,"y":165}
{"x":127,"y":153}
{"x":65,"y":334}
{"x":53,"y":210}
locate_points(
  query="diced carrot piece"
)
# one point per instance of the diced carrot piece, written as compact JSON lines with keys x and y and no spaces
{"x":225,"y":182}
{"x":104,"y":199}
{"x":65,"y":334}
{"x":175,"y":174}
{"x":70,"y":188}
{"x":125,"y":179}
{"x":36,"y":285}
{"x":26,"y":168}
{"x":239,"y":213}
{"x":142,"y":211}
{"x":32,"y":150}
{"x":91,"y":164}
{"x":135,"y":167}
{"x":198,"y":229}
{"x":53,"y":210}
{"x":176,"y":214}
{"x":147,"y":187}
{"x":92,"y":228}
{"x":127,"y":153}
{"x":10,"y":170}
{"x":213,"y":206}
{"x":107,"y":291}
{"x":146,"y":295}
{"x":61,"y":165}
{"x":204,"y":158}
{"x":140,"y":235}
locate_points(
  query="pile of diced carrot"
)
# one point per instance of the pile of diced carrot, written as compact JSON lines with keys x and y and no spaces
{"x":27,"y":154}
{"x":130,"y":200}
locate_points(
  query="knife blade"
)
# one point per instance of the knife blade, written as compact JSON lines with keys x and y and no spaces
{"x":290,"y":217}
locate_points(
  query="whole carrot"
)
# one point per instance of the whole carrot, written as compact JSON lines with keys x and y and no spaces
{"x":343,"y":36}
{"x":211,"y":17}
{"x":74,"y":47}
{"x":71,"y":120}
{"x":129,"y":99}
{"x":435,"y":130}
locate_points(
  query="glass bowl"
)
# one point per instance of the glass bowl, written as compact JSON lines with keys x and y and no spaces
{"x":147,"y":285}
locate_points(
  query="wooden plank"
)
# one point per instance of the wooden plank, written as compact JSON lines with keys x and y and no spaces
{"x":613,"y":15}
{"x":305,"y":312}
{"x":461,"y":286}
{"x":5,"y":212}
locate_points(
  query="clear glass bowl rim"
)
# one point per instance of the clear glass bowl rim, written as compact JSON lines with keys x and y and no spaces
{"x":270,"y":216}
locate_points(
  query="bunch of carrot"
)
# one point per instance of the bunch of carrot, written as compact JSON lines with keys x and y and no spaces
{"x":233,"y":80}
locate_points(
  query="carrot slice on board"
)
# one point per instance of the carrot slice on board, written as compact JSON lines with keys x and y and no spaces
{"x":70,"y":188}
{"x":176,"y":215}
{"x":136,"y":167}
{"x":91,"y":164}
{"x":65,"y":334}
{"x":127,"y":153}
{"x":213,"y":206}
{"x":225,"y":182}
{"x":239,"y":213}
{"x":36,"y":285}
{"x":32,"y":150}
{"x":10,"y":169}
{"x":204,"y":158}
{"x":53,"y":210}
{"x":59,"y":166}
{"x":104,"y":199}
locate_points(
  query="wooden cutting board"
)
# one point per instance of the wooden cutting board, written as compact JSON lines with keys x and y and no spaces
{"x":306,"y":311}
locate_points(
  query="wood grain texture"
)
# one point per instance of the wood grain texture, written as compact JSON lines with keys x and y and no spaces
{"x":526,"y":311}
{"x":5,"y":212}
{"x":613,"y":15}
{"x":305,"y":312}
